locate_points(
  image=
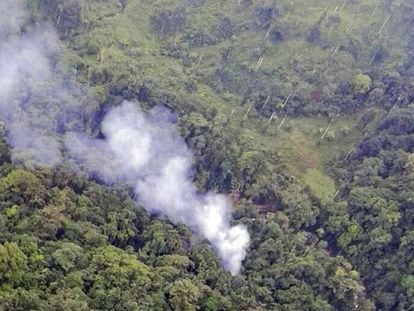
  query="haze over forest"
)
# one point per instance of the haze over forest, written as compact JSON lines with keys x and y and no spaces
{"x":206,"y":155}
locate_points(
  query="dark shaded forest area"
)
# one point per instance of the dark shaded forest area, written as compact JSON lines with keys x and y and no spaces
{"x":300,"y":112}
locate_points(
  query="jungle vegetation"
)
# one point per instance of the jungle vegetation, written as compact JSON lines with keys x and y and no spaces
{"x":301,"y":111}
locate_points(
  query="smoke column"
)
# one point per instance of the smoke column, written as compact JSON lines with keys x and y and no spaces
{"x":141,"y":149}
{"x":33,"y":98}
{"x":147,"y":152}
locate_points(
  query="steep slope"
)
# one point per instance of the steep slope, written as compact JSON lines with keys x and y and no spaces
{"x":283,"y":103}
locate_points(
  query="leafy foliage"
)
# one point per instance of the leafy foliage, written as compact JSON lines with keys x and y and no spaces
{"x":267,"y":94}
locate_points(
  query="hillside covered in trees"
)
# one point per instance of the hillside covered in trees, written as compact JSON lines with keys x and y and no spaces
{"x":300,"y":113}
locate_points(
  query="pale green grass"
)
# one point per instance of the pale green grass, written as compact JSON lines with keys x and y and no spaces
{"x":321,"y":185}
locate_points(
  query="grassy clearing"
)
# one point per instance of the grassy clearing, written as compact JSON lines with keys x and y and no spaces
{"x":321,"y":185}
{"x":299,"y":146}
{"x":126,"y":45}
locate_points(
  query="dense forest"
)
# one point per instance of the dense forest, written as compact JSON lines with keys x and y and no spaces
{"x":299,"y":113}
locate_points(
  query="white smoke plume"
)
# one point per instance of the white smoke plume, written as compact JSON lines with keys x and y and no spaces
{"x":147,"y":152}
{"x":143,"y":150}
{"x":32,"y":98}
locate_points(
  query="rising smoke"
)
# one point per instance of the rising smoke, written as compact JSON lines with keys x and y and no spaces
{"x":32,"y":96}
{"x":146,"y":151}
{"x":141,"y":149}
